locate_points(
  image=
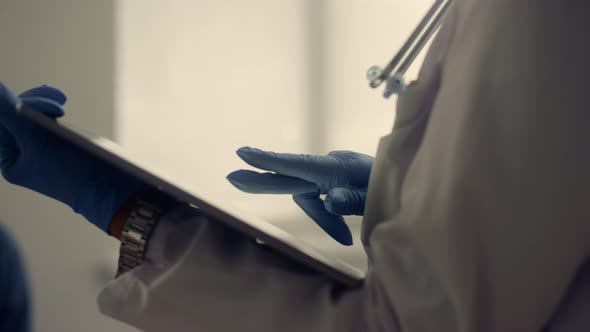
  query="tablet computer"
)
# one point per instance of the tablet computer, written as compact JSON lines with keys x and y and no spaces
{"x":251,"y":226}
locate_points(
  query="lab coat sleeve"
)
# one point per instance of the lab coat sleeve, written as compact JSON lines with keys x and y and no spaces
{"x":493,"y":224}
{"x":202,"y":276}
{"x":493,"y":220}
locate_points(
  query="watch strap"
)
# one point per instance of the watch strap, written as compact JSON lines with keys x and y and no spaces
{"x":136,"y":234}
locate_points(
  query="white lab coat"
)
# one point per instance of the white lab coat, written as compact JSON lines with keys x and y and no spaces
{"x":477,"y":216}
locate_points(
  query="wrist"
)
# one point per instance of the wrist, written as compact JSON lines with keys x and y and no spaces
{"x":117,"y":225}
{"x":120,"y":218}
{"x":136,"y":233}
{"x":100,"y":199}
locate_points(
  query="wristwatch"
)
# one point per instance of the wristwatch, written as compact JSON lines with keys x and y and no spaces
{"x":136,"y":235}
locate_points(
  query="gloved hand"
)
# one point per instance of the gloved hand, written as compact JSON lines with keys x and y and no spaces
{"x":342,"y":176}
{"x":34,"y":159}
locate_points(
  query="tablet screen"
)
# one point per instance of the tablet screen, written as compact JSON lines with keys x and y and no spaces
{"x":210,"y":205}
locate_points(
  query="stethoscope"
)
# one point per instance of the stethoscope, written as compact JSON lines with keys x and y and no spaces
{"x":393,"y":73}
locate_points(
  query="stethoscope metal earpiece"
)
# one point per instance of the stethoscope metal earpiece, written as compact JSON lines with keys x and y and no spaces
{"x":395,"y":83}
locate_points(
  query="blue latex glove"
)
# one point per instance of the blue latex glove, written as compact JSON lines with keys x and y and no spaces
{"x":14,"y":292}
{"x":342,"y":176}
{"x":34,"y":159}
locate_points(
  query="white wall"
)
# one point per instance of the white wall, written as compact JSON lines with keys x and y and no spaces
{"x":199,"y":79}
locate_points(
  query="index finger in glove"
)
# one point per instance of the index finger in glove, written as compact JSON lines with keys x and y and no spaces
{"x":307,"y":167}
{"x":45,"y":99}
{"x":44,"y":105}
{"x":12,"y":122}
{"x":47,"y":92}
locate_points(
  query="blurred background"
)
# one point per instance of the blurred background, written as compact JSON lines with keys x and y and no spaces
{"x":183,"y":84}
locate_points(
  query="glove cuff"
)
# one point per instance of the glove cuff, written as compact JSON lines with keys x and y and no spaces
{"x":103,"y":198}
